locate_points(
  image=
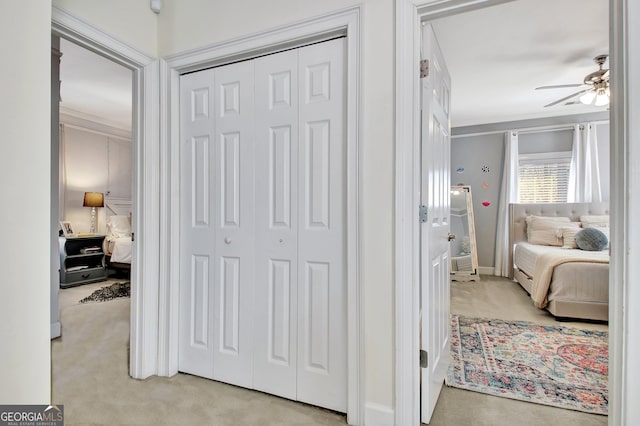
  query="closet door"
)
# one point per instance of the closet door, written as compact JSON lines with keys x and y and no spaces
{"x":197,"y":223}
{"x":234,"y":218}
{"x":322,"y":289}
{"x":276,"y":126}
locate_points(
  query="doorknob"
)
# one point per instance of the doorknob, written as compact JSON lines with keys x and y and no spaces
{"x":227,"y":240}
{"x":451,"y":237}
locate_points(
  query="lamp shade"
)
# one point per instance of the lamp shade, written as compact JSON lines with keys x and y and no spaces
{"x":93,"y":199}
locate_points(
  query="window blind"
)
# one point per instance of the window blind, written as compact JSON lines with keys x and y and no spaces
{"x":544,"y":178}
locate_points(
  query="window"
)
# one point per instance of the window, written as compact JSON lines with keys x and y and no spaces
{"x":544,"y":177}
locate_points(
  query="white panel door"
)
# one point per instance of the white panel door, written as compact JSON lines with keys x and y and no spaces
{"x":234,"y":218}
{"x":434,"y":246}
{"x":322,"y":288}
{"x":276,"y":201}
{"x":263,"y":209}
{"x":197,"y":229}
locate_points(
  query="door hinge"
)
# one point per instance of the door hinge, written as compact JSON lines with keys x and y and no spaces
{"x":424,"y":68}
{"x":424,"y":359}
{"x":133,"y":237}
{"x":423,"y":214}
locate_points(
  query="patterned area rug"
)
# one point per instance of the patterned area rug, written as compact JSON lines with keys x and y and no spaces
{"x":109,"y":292}
{"x":558,"y":366}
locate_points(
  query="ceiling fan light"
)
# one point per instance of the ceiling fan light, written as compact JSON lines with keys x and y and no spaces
{"x":588,"y":97}
{"x":602,"y":99}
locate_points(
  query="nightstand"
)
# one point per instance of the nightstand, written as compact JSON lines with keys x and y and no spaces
{"x":81,"y":260}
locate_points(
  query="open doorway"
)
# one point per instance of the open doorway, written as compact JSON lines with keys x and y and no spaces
{"x":96,"y":156}
{"x":496,"y":63}
{"x":494,"y":51}
{"x":93,"y":180}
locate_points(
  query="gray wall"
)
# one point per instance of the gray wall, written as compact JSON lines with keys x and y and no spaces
{"x":473,"y":152}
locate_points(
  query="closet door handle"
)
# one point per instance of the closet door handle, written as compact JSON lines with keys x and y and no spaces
{"x":227,"y":240}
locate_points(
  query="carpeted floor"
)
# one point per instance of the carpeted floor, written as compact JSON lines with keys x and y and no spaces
{"x":560,"y":366}
{"x":109,"y":292}
{"x":90,"y":374}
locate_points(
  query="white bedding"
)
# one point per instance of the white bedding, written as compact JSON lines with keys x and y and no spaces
{"x":120,"y":249}
{"x":118,"y":239}
{"x":580,"y":280}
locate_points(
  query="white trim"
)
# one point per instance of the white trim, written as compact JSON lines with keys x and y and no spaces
{"x":88,"y":121}
{"x":378,"y":415}
{"x":486,"y":270}
{"x":623,"y":313}
{"x":89,"y":127}
{"x":144,"y":273}
{"x":343,"y":22}
{"x":624,"y":295}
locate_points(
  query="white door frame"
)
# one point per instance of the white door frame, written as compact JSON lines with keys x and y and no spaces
{"x":623,"y":313}
{"x":344,"y":22}
{"x":145,"y":199}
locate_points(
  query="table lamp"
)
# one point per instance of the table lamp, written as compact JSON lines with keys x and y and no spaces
{"x":93,"y":200}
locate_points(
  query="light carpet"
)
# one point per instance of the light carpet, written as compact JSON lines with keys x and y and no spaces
{"x":564,"y":367}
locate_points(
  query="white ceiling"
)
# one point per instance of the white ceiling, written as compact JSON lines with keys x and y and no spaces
{"x":95,"y":88}
{"x":497,"y":56}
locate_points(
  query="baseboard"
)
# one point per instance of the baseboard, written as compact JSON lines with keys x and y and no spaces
{"x":486,"y":270}
{"x":378,"y":415}
{"x":55,"y":330}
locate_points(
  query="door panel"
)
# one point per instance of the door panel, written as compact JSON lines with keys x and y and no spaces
{"x":234,"y":218}
{"x":434,"y":246}
{"x":276,"y":243}
{"x":322,"y":355}
{"x":197,"y":267}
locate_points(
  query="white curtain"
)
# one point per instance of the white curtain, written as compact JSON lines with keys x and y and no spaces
{"x":508,"y":194}
{"x":584,"y":174}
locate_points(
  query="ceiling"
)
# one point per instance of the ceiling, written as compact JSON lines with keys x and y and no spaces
{"x":497,"y":56}
{"x":95,"y":88}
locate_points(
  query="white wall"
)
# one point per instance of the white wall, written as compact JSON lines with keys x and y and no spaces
{"x":188,"y":24}
{"x":130,"y":21}
{"x":25,"y":175}
{"x":92,"y":162}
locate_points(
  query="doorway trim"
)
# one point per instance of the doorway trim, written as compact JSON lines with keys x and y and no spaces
{"x":409,"y":16}
{"x":145,"y":196}
{"x":345,"y":22}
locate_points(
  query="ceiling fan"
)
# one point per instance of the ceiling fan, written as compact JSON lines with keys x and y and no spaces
{"x":595,"y":88}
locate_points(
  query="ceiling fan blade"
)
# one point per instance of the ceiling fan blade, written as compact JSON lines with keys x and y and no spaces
{"x":605,"y":76}
{"x":567,"y":97}
{"x":560,"y":86}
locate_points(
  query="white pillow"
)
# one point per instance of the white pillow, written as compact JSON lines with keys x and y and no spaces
{"x":529,"y":220}
{"x":547,"y":232}
{"x":568,"y":234}
{"x":600,"y":221}
{"x":118,"y":226}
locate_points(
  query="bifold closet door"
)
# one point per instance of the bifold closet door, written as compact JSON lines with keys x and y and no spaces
{"x":322,"y":281}
{"x":263,"y":210}
{"x":217,"y":224}
{"x":276,"y":295}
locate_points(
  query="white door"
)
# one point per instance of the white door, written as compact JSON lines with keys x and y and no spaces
{"x":216,"y":232}
{"x":434,"y":246}
{"x":263,"y":277}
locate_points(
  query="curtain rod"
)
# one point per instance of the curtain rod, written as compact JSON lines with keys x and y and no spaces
{"x":529,"y":130}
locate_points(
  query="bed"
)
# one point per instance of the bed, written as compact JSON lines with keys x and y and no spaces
{"x":568,"y":282}
{"x":117,"y":241}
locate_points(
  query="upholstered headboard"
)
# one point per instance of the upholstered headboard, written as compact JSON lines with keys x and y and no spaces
{"x":117,"y":206}
{"x":519,"y":212}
